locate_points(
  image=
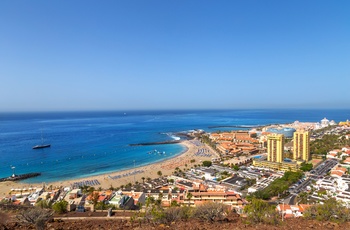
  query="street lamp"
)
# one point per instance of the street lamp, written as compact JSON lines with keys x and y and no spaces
{"x":282,"y":208}
{"x":13,"y":171}
{"x":134,"y":171}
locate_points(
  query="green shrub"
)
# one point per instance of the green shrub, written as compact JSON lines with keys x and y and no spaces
{"x":331,"y":210}
{"x":210,"y":211}
{"x":43,"y":204}
{"x":259,"y":211}
{"x":60,"y":207}
{"x":206,"y":163}
{"x":36,"y":216}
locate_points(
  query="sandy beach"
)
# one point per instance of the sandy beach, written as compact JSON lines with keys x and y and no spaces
{"x":194,"y":151}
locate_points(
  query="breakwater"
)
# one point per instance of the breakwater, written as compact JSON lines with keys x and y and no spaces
{"x":157,"y":143}
{"x":20,"y":177}
{"x":236,"y":126}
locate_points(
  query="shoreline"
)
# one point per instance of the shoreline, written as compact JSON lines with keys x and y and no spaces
{"x":123,"y":177}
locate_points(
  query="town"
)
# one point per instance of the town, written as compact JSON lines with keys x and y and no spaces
{"x":292,"y":166}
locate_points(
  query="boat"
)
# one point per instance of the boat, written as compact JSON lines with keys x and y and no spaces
{"x":42,"y":144}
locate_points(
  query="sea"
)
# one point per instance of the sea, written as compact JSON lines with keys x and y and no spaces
{"x":92,"y":143}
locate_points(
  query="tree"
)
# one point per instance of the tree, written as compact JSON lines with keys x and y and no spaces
{"x":143,"y":179}
{"x":94,"y":198}
{"x":259,"y":211}
{"x":174,"y":203}
{"x":85,"y":189}
{"x":306,"y":167}
{"x":149,"y":200}
{"x":210,"y":211}
{"x":189,"y":197}
{"x":43,"y":204}
{"x":160,"y":196}
{"x":101,"y":206}
{"x":60,"y":207}
{"x":159,"y":173}
{"x":207,"y":163}
{"x":235,"y":167}
{"x":303,"y":197}
{"x":37,"y":216}
{"x":331,"y":210}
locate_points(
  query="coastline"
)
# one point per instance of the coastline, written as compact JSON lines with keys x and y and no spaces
{"x":118,"y":178}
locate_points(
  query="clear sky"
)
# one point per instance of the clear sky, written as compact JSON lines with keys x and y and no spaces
{"x":180,"y":54}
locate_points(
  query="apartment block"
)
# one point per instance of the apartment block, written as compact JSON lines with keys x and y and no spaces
{"x":301,"y":145}
{"x":275,"y":147}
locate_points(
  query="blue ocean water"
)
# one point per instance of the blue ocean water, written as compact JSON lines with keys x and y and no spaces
{"x":92,"y":143}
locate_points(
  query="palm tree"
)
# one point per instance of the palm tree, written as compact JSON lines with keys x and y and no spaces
{"x":143,"y":179}
{"x":160,"y":196}
{"x":303,"y":198}
{"x":189,"y":197}
{"x":149,"y":201}
{"x":94,"y":198}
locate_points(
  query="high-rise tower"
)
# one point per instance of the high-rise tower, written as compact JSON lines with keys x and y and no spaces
{"x":275,"y":147}
{"x":301,"y":145}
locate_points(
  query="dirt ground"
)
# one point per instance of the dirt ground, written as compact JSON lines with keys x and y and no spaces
{"x":233,"y":222}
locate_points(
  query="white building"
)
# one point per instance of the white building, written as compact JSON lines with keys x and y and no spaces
{"x":324,"y":122}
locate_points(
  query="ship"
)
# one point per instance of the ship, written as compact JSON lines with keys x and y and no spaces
{"x":42,"y":144}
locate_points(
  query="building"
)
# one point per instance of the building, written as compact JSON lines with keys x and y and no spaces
{"x":232,"y":199}
{"x":301,"y":145}
{"x":275,"y":147}
{"x":324,"y":123}
{"x":279,"y":166}
{"x":285,"y":131}
{"x":344,"y":123}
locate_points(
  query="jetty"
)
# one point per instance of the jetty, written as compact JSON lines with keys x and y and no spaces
{"x":20,"y":177}
{"x":157,"y":143}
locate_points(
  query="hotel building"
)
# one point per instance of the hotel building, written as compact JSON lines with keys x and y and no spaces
{"x":275,"y":147}
{"x":301,"y":145}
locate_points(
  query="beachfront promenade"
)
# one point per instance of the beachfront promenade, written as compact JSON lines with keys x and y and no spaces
{"x":82,"y":183}
{"x":126,"y":174}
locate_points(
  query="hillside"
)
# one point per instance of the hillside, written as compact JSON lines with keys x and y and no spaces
{"x":233,"y":222}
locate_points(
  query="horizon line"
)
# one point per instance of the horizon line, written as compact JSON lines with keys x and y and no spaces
{"x":167,"y":109}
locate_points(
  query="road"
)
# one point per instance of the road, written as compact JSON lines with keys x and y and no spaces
{"x":315,"y":174}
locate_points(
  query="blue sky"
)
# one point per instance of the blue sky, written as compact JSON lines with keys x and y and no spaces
{"x":119,"y":55}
